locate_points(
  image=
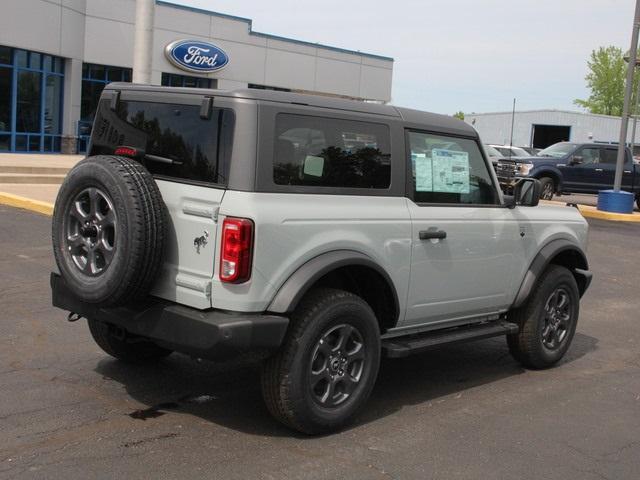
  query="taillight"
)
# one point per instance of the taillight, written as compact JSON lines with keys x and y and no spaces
{"x":236,"y":251}
{"x":126,"y":152}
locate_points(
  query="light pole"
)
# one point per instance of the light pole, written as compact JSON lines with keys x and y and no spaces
{"x":635,"y":122}
{"x":617,"y":200}
{"x":143,"y":41}
{"x":624,"y":124}
{"x":634,"y":114}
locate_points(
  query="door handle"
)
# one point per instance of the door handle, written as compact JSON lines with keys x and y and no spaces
{"x":599,"y":170}
{"x":432,"y":235}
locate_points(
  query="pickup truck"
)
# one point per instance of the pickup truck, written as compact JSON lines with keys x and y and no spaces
{"x":567,"y":167}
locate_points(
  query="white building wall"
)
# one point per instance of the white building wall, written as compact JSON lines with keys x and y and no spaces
{"x":254,"y":57}
{"x":102,"y":32}
{"x":496,"y":127}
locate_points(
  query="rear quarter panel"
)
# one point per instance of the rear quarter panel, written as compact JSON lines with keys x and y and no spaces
{"x":291,"y":229}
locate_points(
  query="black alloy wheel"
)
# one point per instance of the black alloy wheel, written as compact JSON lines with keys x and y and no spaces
{"x":557,"y":319}
{"x":547,"y":188}
{"x":326,"y":368}
{"x":337,"y":364}
{"x":91,"y":231}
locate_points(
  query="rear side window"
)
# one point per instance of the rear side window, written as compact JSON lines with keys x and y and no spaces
{"x":449,"y":170}
{"x":610,"y":156}
{"x":177,"y":142}
{"x":329,"y":152}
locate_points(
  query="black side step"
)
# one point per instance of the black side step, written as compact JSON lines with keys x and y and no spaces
{"x":404,"y":346}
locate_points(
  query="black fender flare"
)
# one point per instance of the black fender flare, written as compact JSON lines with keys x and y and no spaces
{"x":579,"y":268}
{"x":299,"y":283}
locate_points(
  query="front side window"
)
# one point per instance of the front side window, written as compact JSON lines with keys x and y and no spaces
{"x":178,"y":143}
{"x":449,"y":170}
{"x":329,"y":152}
{"x":590,"y":155}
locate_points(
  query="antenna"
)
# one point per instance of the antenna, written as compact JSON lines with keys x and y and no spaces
{"x":513,"y":115}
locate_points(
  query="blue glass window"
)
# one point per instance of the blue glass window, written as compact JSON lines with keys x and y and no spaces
{"x":31,"y":86}
{"x":6,"y":79}
{"x":174,"y":80}
{"x":94,"y":79}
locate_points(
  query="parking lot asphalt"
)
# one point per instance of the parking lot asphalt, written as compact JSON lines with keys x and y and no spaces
{"x":69,"y":411}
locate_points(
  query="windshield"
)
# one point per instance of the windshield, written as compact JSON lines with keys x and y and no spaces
{"x":557,"y":150}
{"x":519,"y":152}
{"x":509,"y":152}
{"x":492,"y":152}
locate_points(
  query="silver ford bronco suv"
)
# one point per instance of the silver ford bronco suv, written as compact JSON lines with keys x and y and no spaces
{"x":317,"y":233}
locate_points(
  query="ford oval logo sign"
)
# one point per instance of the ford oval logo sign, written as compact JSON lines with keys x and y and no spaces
{"x":196,"y":56}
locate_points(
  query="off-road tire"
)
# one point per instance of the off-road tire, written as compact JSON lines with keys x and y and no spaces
{"x":140,"y":230}
{"x":527,"y":346}
{"x":547,"y":188}
{"x":136,"y":350}
{"x":285,"y":375}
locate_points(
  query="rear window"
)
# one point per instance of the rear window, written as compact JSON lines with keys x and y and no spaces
{"x":176,"y":141}
{"x":329,"y":152}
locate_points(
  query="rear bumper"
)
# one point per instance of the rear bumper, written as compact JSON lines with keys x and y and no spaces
{"x":212,"y":334}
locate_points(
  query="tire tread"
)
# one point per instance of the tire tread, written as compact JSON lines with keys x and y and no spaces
{"x":276,"y":380}
{"x":525,"y":345}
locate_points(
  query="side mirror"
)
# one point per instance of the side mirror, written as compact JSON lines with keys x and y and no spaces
{"x":576,"y":160}
{"x":525,"y":193}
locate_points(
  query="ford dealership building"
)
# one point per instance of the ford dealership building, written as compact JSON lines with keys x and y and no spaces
{"x":56,"y":56}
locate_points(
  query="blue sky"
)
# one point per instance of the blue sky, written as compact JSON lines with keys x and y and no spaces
{"x":450,"y":55}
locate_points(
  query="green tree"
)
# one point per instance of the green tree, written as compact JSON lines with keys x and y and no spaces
{"x":606,"y":79}
{"x":459,"y":115}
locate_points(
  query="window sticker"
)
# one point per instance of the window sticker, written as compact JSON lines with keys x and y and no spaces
{"x":423,"y":172}
{"x":450,"y":171}
{"x":313,"y":166}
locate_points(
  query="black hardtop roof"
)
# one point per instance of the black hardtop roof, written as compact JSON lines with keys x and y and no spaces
{"x":413,"y":118}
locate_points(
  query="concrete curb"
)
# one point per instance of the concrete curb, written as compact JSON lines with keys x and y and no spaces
{"x":586,"y":210}
{"x":26,"y":203}
{"x":592,"y":212}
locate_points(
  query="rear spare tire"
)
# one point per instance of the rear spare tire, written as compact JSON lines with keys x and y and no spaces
{"x":108,"y":230}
